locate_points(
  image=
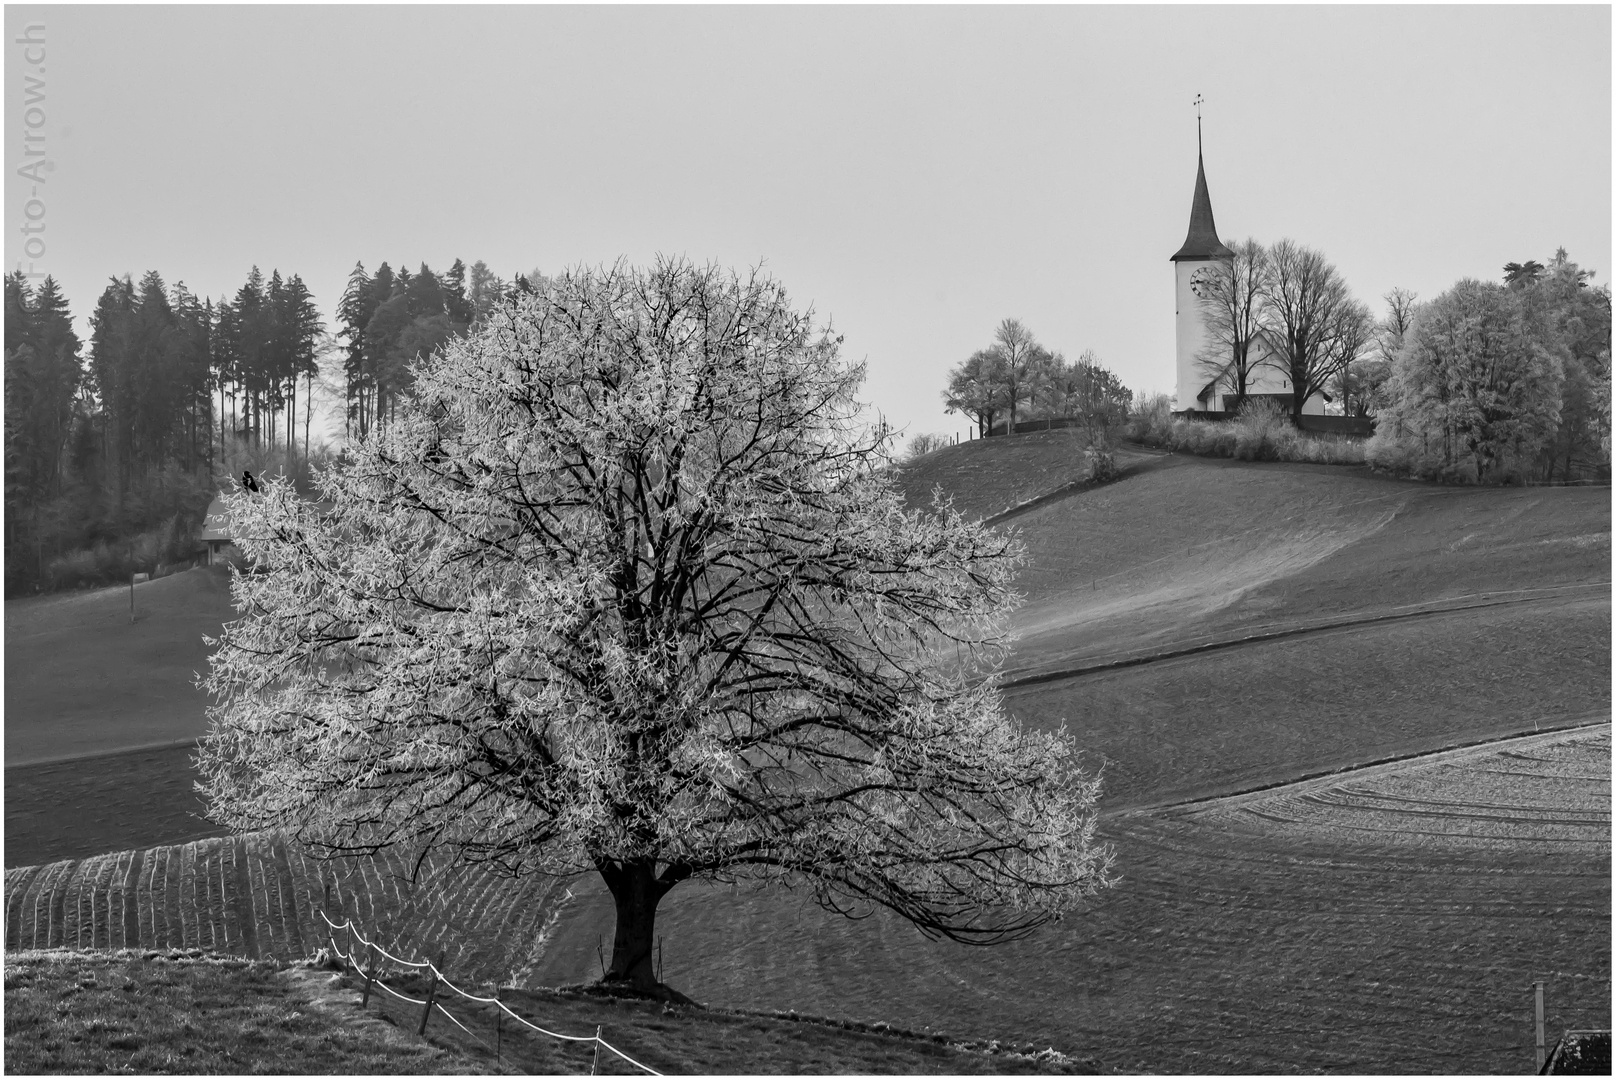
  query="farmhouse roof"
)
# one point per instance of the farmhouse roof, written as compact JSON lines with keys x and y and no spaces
{"x":1202,"y":241}
{"x":216,"y":526}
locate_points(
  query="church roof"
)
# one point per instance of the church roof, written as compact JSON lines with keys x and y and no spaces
{"x":1202,"y":241}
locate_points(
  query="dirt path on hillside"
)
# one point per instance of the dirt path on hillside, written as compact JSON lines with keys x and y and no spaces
{"x":1547,"y":598}
{"x":1572,"y":728}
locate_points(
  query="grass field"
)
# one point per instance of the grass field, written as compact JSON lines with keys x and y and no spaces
{"x":111,"y":802}
{"x":1389,"y":919}
{"x":190,"y":1012}
{"x":82,"y":679}
{"x":146,"y":1012}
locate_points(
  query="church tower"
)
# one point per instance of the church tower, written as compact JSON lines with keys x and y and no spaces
{"x":1202,"y":251}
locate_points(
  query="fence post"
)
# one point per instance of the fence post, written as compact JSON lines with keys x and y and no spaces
{"x":431,"y":994}
{"x":499,"y":1015}
{"x":370,"y":975}
{"x":1537,"y":987}
{"x":596,"y":1061}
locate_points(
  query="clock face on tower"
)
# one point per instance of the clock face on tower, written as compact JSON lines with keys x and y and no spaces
{"x":1201,"y":280}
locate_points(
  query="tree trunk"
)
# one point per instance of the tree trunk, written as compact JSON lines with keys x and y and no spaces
{"x":636,"y":893}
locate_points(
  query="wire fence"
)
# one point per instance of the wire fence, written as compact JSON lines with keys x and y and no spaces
{"x":375,"y":951}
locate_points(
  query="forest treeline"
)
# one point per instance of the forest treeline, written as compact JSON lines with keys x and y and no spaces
{"x":116,"y":445}
{"x":391,"y":318}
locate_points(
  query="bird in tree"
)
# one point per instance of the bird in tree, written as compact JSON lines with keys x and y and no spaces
{"x":626,"y":589}
{"x":1520,"y":275}
{"x":248,"y":483}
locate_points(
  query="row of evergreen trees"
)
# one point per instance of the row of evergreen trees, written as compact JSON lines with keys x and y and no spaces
{"x":391,"y":318}
{"x":104,"y":449}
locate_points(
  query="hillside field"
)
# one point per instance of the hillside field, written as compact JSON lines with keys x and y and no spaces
{"x":1216,"y":635}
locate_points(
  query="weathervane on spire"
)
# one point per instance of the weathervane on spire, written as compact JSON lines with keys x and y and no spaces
{"x":1198,"y":100}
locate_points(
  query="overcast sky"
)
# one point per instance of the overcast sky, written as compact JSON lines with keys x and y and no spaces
{"x":914,"y":173}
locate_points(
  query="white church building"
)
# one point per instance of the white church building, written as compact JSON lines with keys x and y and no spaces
{"x":1200,"y":389}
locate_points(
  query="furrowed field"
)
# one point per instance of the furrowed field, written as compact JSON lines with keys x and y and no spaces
{"x":1354,"y":734}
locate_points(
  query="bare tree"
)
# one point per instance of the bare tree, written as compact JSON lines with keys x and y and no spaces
{"x":1352,"y":335}
{"x":1231,"y":297}
{"x":625,"y":590}
{"x":1304,"y":301}
{"x":1364,"y":383}
{"x":1022,"y":365}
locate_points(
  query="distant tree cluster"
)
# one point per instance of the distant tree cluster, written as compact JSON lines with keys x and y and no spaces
{"x":1503,"y":382}
{"x":1016,"y":379}
{"x":922,"y":443}
{"x":391,"y":319}
{"x":110,"y":458}
{"x":1287,"y":308}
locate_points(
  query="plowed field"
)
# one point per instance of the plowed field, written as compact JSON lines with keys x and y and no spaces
{"x":1375,"y":918}
{"x":258,"y":897}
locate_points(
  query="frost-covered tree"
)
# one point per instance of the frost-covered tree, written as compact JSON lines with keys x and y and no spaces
{"x":626,"y":590}
{"x":1475,"y":390}
{"x":976,"y":389}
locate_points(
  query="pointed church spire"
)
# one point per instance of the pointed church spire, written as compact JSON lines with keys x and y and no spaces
{"x":1202,"y":241}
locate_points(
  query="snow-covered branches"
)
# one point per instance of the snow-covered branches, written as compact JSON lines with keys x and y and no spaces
{"x":624,"y":588}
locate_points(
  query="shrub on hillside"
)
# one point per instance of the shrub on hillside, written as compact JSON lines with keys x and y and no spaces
{"x":107,"y":563}
{"x":924,"y":443}
{"x":1262,"y":433}
{"x":1151,"y":419}
{"x":1099,"y":465}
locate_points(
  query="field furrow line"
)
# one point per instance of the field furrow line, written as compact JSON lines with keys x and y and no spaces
{"x":81,"y":916}
{"x":111,"y":894}
{"x":148,"y":915}
{"x":366,"y":912}
{"x":20,"y":899}
{"x":131,"y":900}
{"x":49,"y":914}
{"x":201,"y":930}
{"x":502,"y":950}
{"x":310,"y":878}
{"x":109,"y":891}
{"x":472,"y":916}
{"x":280,"y":913}
{"x":244,"y":906}
{"x":293,"y":911}
{"x":202,"y":897}
{"x":173,"y":857}
{"x":43,"y":910}
{"x":58,"y":932}
{"x":390,"y":908}
{"x":100,"y":889}
{"x":230,"y":897}
{"x":261,"y":904}
{"x":162,"y":928}
{"x":1363,"y":798}
{"x":202,"y":882}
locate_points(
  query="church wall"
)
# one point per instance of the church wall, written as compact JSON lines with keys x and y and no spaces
{"x":1191,"y":334}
